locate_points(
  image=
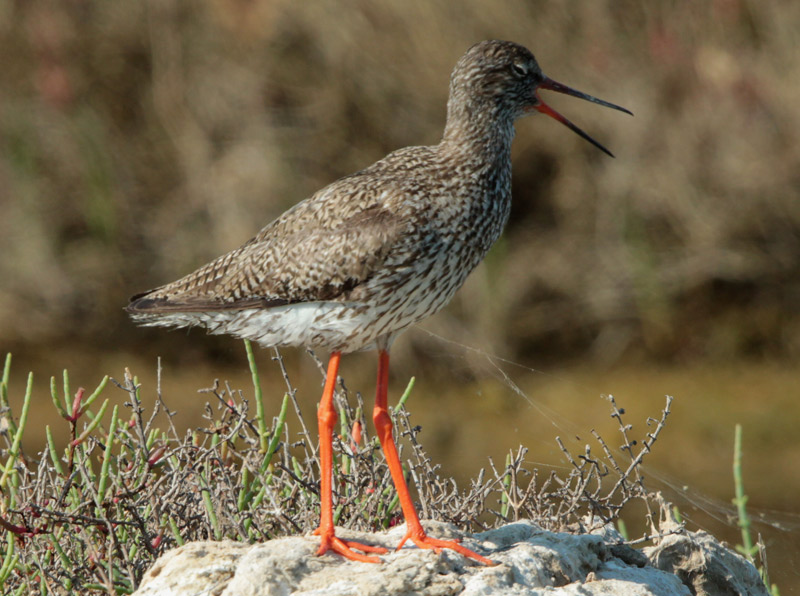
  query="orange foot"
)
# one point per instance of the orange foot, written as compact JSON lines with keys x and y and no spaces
{"x":422,"y":540}
{"x":329,"y":541}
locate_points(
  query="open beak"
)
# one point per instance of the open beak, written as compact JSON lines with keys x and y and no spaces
{"x":545,"y":109}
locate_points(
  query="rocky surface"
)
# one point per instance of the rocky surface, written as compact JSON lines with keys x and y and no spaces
{"x":705,"y":565}
{"x":530,"y":562}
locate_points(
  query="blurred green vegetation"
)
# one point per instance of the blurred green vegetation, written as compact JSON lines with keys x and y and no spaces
{"x":139,"y":139}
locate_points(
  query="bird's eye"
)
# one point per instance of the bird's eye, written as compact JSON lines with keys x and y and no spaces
{"x":519,"y":69}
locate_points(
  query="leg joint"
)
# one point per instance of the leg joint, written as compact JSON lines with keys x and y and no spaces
{"x":383,"y":423}
{"x":327,"y":417}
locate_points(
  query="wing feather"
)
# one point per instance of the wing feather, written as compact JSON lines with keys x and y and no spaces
{"x":290,"y":261}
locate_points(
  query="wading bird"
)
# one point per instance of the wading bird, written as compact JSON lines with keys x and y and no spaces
{"x":366,"y":257}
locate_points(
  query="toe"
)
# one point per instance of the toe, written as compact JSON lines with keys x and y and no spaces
{"x":425,"y":541}
{"x":348,"y":548}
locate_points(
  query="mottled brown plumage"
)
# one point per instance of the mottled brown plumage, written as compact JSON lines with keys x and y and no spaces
{"x":374,"y":252}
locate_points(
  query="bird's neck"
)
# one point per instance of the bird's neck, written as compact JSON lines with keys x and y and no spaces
{"x":482,"y":138}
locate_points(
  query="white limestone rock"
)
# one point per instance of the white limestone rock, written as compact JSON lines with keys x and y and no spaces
{"x":530,"y":562}
{"x":710,"y":568}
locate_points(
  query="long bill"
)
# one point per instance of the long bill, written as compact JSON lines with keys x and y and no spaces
{"x":542,"y":107}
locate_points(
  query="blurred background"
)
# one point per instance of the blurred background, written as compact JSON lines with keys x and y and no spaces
{"x":138,"y":140}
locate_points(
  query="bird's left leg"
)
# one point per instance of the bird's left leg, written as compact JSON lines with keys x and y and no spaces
{"x":326,"y":417}
{"x":383,"y":426}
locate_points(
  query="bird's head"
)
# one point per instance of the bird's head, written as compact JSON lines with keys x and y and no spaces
{"x":503,"y":78}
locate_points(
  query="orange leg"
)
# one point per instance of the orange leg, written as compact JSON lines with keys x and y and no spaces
{"x":326,"y":416}
{"x":383,"y":426}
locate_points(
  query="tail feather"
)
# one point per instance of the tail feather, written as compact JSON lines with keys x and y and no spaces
{"x":150,"y":303}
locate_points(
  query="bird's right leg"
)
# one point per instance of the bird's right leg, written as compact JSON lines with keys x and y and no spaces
{"x":326,"y":416}
{"x":383,"y":426}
